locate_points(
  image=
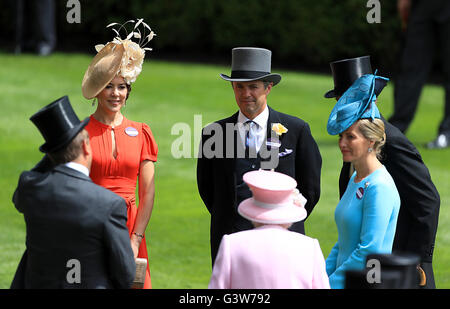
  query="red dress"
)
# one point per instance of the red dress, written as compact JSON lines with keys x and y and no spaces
{"x":134,"y":144}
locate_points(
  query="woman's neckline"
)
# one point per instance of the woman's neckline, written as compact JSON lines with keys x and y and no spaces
{"x":377,"y":169}
{"x":109,"y":126}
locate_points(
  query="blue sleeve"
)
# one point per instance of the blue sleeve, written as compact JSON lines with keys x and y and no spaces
{"x":331,"y":259}
{"x":378,"y":206}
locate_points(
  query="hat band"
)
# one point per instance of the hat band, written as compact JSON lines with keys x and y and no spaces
{"x":269,"y":205}
{"x":248,"y":74}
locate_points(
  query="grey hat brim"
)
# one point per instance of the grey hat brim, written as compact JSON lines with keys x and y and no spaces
{"x":272,"y":77}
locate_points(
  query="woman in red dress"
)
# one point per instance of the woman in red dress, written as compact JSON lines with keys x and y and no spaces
{"x":124,"y":151}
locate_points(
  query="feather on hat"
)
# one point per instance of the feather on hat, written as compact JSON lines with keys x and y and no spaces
{"x":119,"y":57}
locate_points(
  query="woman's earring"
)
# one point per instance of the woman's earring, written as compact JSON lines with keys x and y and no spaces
{"x":93,"y":102}
{"x":370,"y":149}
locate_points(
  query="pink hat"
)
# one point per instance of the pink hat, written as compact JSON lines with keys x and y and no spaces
{"x":275,"y":199}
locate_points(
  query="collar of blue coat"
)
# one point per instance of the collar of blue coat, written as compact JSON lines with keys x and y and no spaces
{"x":358,"y":102}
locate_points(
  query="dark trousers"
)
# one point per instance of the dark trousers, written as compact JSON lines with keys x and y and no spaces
{"x":428,"y":269}
{"x":428,"y":33}
{"x":35,"y":24}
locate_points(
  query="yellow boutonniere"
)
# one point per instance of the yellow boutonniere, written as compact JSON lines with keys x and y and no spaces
{"x":279,"y":129}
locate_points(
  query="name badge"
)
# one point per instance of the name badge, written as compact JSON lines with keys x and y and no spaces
{"x":273,"y":143}
{"x":359,"y":193}
{"x":130,"y":131}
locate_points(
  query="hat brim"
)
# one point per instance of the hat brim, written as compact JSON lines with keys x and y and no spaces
{"x":66,"y":139}
{"x":330,"y":94}
{"x":379,"y":86}
{"x":278,"y":215}
{"x":102,"y":70}
{"x":272,"y":77}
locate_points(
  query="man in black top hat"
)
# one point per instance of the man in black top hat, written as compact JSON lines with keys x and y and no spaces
{"x":427,"y":25}
{"x":419,"y":210}
{"x":255,"y":137}
{"x":76,"y":230}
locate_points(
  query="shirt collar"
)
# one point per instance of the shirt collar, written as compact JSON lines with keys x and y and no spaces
{"x":78,"y":167}
{"x":261,"y":119}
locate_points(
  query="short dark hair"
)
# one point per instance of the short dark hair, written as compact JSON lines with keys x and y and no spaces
{"x":266,"y":83}
{"x":71,"y":151}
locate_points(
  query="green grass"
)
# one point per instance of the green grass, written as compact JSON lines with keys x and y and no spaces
{"x":168,"y":93}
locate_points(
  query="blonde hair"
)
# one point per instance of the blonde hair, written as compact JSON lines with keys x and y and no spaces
{"x":373,"y":130}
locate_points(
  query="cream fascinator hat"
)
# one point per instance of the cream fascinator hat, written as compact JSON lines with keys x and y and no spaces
{"x":121,"y":57}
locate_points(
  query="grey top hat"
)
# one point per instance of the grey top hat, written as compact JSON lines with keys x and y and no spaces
{"x":251,"y":63}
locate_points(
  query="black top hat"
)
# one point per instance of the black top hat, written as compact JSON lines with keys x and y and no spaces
{"x":58,"y":124}
{"x":346,"y":71}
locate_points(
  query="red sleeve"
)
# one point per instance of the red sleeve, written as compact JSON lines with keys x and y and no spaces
{"x":149,"y":147}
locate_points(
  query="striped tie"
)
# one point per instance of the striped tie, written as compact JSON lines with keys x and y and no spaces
{"x":250,"y":140}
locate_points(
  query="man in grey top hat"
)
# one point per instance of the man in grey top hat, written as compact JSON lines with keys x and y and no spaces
{"x":260,"y":137}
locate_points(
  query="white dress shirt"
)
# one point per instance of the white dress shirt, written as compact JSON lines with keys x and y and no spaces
{"x":78,"y":167}
{"x":258,"y":131}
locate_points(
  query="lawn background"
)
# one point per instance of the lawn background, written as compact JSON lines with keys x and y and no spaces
{"x":167,"y":93}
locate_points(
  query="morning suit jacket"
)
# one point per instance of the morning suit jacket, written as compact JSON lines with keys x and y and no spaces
{"x":68,"y":217}
{"x":419,"y":209}
{"x":298,"y":157}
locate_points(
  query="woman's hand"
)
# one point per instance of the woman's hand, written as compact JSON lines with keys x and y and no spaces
{"x":135,"y":244}
{"x":146,"y":199}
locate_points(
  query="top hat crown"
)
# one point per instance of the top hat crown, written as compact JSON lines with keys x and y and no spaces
{"x":58,"y":124}
{"x":251,"y":63}
{"x":345,"y":72}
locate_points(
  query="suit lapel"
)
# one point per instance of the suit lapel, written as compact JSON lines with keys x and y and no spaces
{"x":230,"y":163}
{"x":274,"y":117}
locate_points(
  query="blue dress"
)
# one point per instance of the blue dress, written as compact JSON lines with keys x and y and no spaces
{"x":366,"y":218}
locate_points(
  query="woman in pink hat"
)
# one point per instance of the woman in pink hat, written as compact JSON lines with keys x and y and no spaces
{"x":270,"y":256}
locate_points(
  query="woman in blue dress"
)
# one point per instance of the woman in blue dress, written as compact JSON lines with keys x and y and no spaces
{"x":366,"y":215}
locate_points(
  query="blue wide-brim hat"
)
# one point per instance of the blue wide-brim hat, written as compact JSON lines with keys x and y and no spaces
{"x":358,"y":102}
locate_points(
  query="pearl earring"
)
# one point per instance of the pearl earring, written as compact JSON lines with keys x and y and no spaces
{"x":370,"y":149}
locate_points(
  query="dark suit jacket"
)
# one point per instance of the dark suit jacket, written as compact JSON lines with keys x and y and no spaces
{"x":216,"y":177}
{"x":68,"y":217}
{"x":419,"y":210}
